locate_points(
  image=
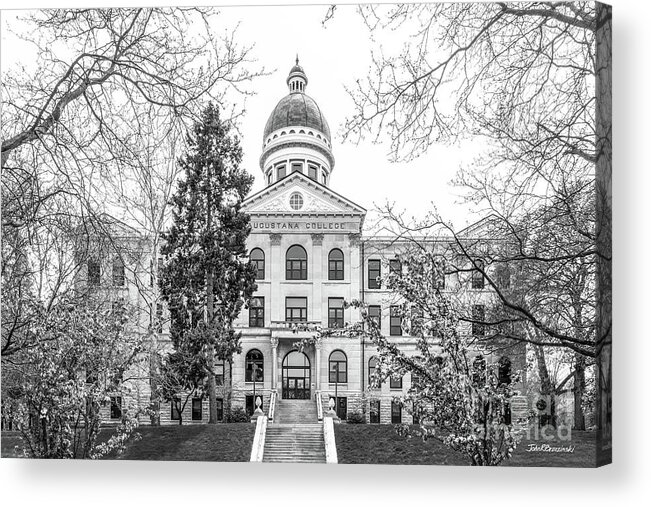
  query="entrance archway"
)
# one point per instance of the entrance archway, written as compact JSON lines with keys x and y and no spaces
{"x":296,"y":376}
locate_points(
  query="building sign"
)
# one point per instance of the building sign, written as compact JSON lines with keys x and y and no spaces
{"x":297,"y":226}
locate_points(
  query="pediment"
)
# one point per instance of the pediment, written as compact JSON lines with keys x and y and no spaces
{"x":315,"y":199}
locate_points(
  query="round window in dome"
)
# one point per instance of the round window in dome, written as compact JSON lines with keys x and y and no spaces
{"x":296,"y":201}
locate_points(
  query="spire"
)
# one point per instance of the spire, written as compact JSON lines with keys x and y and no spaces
{"x":297,"y":80}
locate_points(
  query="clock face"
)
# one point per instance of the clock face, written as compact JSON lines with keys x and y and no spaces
{"x":296,"y":201}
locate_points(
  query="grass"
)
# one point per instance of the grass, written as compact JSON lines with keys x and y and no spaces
{"x":205,"y":442}
{"x":380,"y":444}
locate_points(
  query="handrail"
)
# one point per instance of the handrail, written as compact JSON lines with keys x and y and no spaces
{"x":330,"y":441}
{"x":272,"y":404}
{"x":319,"y":405}
{"x":257,"y":449}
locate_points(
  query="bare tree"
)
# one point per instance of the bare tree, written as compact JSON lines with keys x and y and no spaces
{"x":532,"y":81}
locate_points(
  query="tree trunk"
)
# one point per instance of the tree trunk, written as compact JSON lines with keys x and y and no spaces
{"x":579,"y":390}
{"x":546,"y":386}
{"x":603,"y":176}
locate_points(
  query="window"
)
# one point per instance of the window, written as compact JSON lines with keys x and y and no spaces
{"x":257,"y":259}
{"x":254,"y":367}
{"x":295,"y":309}
{"x":282,"y":172}
{"x":415,"y":412}
{"x":93,"y":272}
{"x":256,"y":312}
{"x":312,"y":172}
{"x":250,"y":403}
{"x":219,"y":373}
{"x":372,"y":369}
{"x":504,"y":370}
{"x":335,"y":312}
{"x":197,"y":409}
{"x":396,"y":412}
{"x":375,"y":314}
{"x":335,"y":265}
{"x":478,"y":317}
{"x":374,"y":273}
{"x":118,"y":272}
{"x":220,"y":409}
{"x":297,"y":167}
{"x":503,"y":276}
{"x":341,"y":406}
{"x":174,"y":406}
{"x":479,"y":371}
{"x":375,"y":411}
{"x":440,"y":281}
{"x":116,"y":407}
{"x":395,"y":383}
{"x":296,"y":263}
{"x":478,"y":276}
{"x":338,"y":367}
{"x":395,"y":267}
{"x":395,"y":322}
{"x":296,"y":201}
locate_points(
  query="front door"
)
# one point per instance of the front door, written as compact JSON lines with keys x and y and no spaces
{"x":296,"y":376}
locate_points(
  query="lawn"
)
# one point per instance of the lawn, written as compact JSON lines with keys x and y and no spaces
{"x":205,"y":442}
{"x":380,"y":444}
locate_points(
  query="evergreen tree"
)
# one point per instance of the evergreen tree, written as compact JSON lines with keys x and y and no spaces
{"x":206,"y":277}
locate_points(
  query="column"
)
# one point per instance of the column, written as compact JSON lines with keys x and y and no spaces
{"x":317,"y":276}
{"x":317,"y":368}
{"x":274,"y":363}
{"x":276,"y":308}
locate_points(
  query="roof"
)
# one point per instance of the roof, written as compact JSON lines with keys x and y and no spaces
{"x":300,"y":110}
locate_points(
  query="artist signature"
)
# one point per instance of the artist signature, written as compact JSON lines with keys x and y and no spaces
{"x":550,"y":448}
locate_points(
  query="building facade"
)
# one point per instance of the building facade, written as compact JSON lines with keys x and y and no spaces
{"x":311,"y":255}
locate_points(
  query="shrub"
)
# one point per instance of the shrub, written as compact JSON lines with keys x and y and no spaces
{"x":237,"y":415}
{"x":356,"y":418}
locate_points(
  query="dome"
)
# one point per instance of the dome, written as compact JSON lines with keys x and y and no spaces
{"x":297,"y":110}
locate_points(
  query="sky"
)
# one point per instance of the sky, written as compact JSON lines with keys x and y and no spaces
{"x":333,"y":56}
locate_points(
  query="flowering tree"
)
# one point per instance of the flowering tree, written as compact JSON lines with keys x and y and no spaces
{"x":58,"y":388}
{"x":458,"y":399}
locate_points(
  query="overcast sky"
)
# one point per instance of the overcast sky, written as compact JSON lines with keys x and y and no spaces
{"x":333,"y":56}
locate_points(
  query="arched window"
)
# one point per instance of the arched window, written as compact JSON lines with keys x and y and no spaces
{"x":338,"y":367}
{"x":257,"y":259}
{"x":296,"y":263}
{"x":335,"y":264}
{"x":254,"y":367}
{"x":372,"y":368}
{"x":504,"y":370}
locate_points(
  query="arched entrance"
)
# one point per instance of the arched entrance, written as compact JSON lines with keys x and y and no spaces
{"x":296,"y":376}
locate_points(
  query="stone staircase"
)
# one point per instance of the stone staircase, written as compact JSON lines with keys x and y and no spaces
{"x":295,"y":412}
{"x":295,"y":436}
